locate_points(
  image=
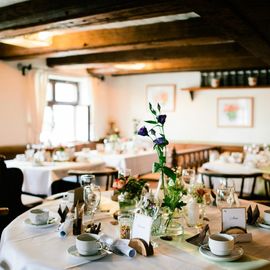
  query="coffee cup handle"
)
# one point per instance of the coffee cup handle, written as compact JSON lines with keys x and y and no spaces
{"x":100,"y":245}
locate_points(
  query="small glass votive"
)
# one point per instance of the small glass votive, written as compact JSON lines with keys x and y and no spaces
{"x":125,"y":221}
{"x":87,"y":179}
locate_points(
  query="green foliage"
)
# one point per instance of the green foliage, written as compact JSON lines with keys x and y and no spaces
{"x":173,"y":197}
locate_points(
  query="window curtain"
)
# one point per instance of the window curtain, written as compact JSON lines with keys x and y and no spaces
{"x":36,"y":102}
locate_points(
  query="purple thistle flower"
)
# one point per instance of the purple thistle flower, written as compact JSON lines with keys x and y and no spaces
{"x":161,"y":141}
{"x":161,"y":118}
{"x":143,"y":131}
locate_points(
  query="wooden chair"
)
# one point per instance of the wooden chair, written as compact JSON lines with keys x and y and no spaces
{"x":210,"y":174}
{"x":266,"y":178}
{"x":109,"y":172}
{"x":11,"y":180}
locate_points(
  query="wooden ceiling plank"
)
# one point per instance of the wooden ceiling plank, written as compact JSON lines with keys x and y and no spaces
{"x":230,"y":21}
{"x":178,"y":33}
{"x":40,"y":15}
{"x":184,"y":64}
{"x":207,"y":51}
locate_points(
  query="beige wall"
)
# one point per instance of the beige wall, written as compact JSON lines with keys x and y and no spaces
{"x":13,"y":120}
{"x":192,"y":120}
{"x":121,"y":99}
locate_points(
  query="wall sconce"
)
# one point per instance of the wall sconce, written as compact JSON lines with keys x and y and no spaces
{"x":24,"y":68}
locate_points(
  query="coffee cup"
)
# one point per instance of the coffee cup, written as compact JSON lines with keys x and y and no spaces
{"x":221,"y":244}
{"x":266,"y":216}
{"x":39,"y":216}
{"x":88,"y":244}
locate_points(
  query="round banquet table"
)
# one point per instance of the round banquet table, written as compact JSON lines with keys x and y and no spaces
{"x":25,"y":248}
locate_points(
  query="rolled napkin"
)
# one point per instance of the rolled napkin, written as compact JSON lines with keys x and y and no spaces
{"x":118,"y":245}
{"x":124,"y":248}
{"x":65,"y":227}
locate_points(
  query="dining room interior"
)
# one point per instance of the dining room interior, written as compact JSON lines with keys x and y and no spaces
{"x":157,"y":110}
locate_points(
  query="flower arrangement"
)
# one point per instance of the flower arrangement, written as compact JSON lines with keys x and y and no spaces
{"x":157,"y":135}
{"x":130,"y":187}
{"x":198,"y":192}
{"x":173,"y":192}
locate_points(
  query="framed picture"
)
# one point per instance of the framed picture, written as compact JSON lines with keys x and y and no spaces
{"x":164,"y":94}
{"x":235,"y":112}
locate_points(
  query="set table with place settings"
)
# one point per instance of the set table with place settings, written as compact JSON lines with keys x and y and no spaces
{"x":26,"y":245}
{"x":39,"y":177}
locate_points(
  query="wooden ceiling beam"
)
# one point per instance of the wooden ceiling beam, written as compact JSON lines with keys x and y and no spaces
{"x":184,"y":64}
{"x":40,"y":15}
{"x":178,"y":33}
{"x":206,"y":51}
{"x":231,"y":22}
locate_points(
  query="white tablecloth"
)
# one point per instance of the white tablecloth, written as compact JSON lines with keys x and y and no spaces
{"x":28,"y":248}
{"x":38,"y":179}
{"x":139,"y":163}
{"x":234,"y":168}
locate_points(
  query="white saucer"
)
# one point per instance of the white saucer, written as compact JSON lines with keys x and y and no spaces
{"x":74,"y":252}
{"x":52,"y":222}
{"x":236,"y":254}
{"x":263,"y":225}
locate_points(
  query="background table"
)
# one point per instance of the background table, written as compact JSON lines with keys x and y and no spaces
{"x":38,"y":179}
{"x":25,"y":248}
{"x":139,"y":163}
{"x":250,"y":185}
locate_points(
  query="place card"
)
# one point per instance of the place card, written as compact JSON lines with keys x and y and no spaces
{"x":233,"y":218}
{"x":141,"y":227}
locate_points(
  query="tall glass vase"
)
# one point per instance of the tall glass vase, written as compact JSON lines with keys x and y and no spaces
{"x":161,"y":188}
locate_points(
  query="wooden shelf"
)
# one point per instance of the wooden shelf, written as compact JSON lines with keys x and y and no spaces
{"x":193,"y":89}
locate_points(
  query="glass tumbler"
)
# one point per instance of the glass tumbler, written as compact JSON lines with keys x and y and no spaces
{"x":87,"y":179}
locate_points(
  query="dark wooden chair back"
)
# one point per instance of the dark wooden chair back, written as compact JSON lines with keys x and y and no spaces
{"x":191,"y":158}
{"x":109,"y":172}
{"x":11,"y":181}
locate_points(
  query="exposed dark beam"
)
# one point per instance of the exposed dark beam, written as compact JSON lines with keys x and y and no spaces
{"x":230,"y":21}
{"x":184,"y":64}
{"x":39,"y":15}
{"x":178,"y":33}
{"x":227,"y":50}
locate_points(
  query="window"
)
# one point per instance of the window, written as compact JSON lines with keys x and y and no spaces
{"x":65,"y":119}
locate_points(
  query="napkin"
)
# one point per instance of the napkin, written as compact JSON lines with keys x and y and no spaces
{"x":65,"y":227}
{"x":123,"y":246}
{"x":199,"y":239}
{"x":118,"y":244}
{"x":62,"y":214}
{"x":252,"y":216}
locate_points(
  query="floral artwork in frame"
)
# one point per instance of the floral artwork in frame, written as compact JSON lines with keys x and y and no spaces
{"x":235,"y":112}
{"x":164,"y":94}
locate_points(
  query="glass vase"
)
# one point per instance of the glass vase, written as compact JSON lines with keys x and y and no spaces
{"x":172,"y":223}
{"x":161,"y":188}
{"x":126,"y":203}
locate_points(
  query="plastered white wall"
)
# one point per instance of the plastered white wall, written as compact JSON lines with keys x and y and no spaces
{"x":13,"y":122}
{"x":192,"y":121}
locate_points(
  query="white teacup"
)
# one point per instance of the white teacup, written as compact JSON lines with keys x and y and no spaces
{"x":266,"y":216}
{"x":88,"y":244}
{"x":221,"y":244}
{"x":39,"y":216}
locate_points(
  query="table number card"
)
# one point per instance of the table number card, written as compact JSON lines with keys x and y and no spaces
{"x":233,"y":217}
{"x":141,"y":228}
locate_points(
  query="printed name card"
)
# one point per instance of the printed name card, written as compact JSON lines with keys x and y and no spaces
{"x":142,"y":226}
{"x":233,"y":217}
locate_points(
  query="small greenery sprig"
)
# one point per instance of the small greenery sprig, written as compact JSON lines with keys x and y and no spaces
{"x":157,"y":135}
{"x":173,"y":198}
{"x":130,"y":187}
